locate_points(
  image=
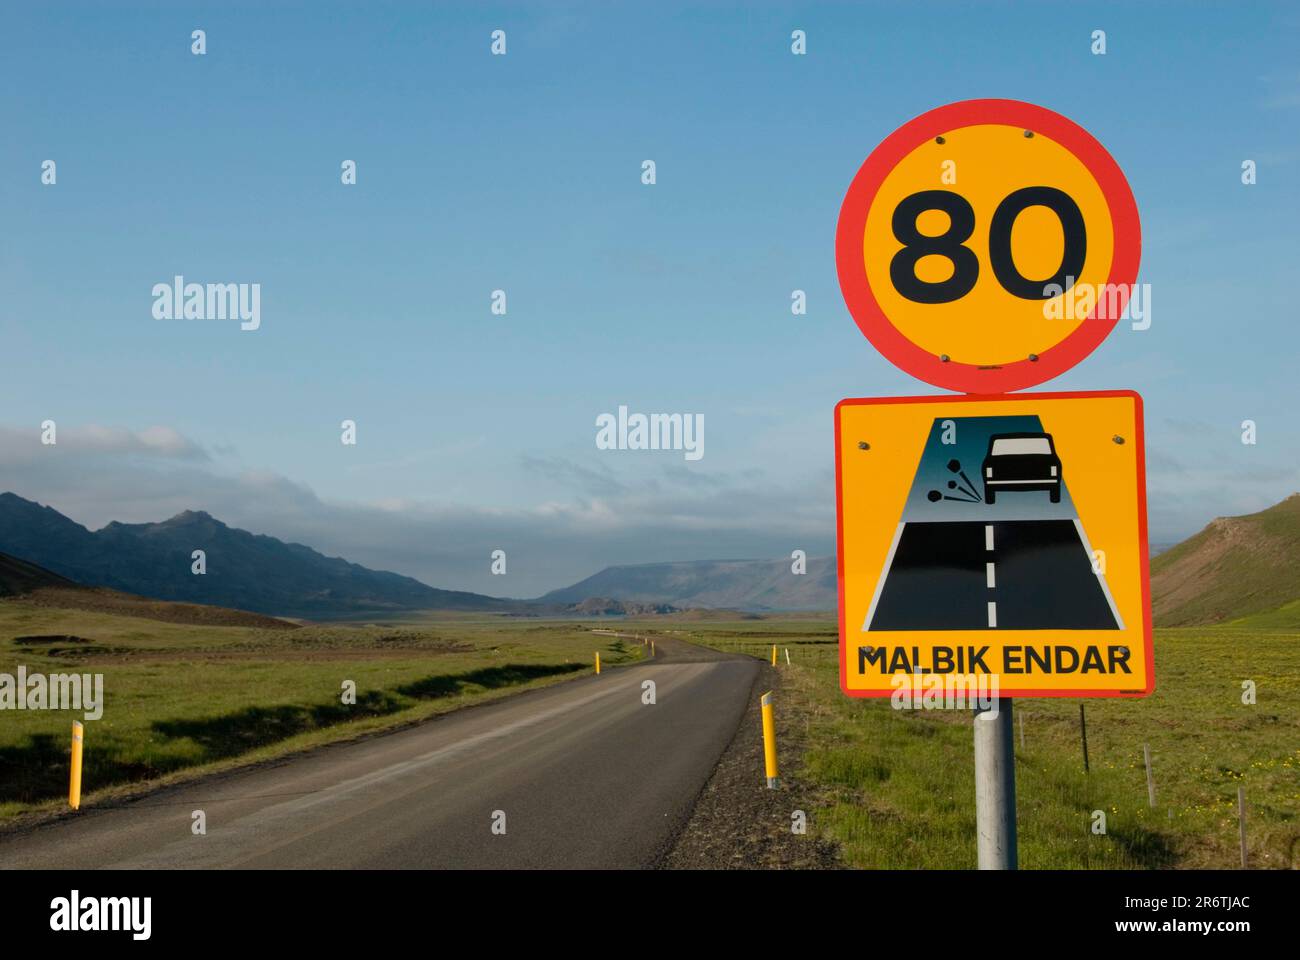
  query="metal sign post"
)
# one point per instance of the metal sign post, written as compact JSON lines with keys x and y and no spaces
{"x":995,"y":787}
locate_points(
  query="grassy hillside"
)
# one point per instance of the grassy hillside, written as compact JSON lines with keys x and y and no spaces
{"x":183,"y":697}
{"x":897,"y":787}
{"x":24,"y":582}
{"x":18,"y":577}
{"x":1237,"y":567}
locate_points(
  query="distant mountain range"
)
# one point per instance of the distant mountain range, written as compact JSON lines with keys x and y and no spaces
{"x":247,"y":571}
{"x":1237,"y":568}
{"x":749,"y":585}
{"x":244,"y":571}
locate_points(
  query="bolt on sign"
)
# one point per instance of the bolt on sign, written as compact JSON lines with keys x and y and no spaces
{"x":992,"y":534}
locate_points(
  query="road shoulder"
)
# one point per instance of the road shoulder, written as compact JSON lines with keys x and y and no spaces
{"x":737,"y":823}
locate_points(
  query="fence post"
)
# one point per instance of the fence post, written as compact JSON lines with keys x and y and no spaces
{"x":1083,"y":732}
{"x":1151,"y":780}
{"x":1241,"y":818}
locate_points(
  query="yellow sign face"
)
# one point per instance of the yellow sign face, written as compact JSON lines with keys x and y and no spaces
{"x":978,"y":168}
{"x":988,"y":245}
{"x":997,"y":543}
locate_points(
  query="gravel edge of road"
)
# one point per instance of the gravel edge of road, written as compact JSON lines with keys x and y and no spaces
{"x":736,"y":822}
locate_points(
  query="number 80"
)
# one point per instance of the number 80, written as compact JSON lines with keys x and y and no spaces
{"x":965,"y":265}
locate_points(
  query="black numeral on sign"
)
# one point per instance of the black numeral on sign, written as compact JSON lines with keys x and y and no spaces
{"x":1072,"y":257}
{"x":965,"y":265}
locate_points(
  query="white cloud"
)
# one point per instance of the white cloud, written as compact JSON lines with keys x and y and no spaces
{"x":99,"y":440}
{"x":648,"y":514}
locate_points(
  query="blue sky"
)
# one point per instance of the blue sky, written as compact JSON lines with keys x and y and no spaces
{"x":522,"y":172}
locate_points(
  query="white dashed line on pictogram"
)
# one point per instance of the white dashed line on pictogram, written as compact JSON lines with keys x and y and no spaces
{"x":990,"y":576}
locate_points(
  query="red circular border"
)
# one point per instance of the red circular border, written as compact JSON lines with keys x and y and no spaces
{"x":969,"y":377}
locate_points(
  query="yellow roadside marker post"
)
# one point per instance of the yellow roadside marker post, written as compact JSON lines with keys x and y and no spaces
{"x":598,"y":661}
{"x":769,"y":741}
{"x":74,"y":785}
{"x":774,"y":654}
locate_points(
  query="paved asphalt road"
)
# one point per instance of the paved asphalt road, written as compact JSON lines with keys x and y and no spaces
{"x":1011,"y":575}
{"x":587,"y":775}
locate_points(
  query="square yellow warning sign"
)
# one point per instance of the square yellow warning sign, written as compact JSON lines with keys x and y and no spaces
{"x":994,"y":542}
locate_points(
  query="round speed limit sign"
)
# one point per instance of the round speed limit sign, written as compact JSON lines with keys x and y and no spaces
{"x":988,"y":245}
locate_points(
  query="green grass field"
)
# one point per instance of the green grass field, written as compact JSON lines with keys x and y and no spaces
{"x":897,"y":787}
{"x":182,"y":698}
